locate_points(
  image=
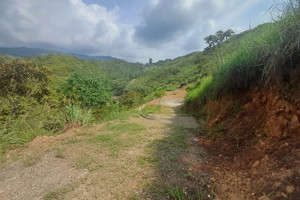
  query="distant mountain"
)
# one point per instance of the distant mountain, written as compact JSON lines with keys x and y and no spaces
{"x":25,"y":51}
{"x":92,"y":57}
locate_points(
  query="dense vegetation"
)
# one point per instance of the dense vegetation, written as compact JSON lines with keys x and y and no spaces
{"x":41,"y":95}
{"x":119,"y":73}
{"x":167,"y":75}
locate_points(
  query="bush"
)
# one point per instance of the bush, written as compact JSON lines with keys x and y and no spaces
{"x":23,"y":78}
{"x":84,"y":91}
{"x":158,"y":93}
{"x":131,"y":99}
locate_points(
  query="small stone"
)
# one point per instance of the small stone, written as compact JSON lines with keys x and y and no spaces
{"x":284,"y":195}
{"x":277,"y":184}
{"x":255,"y":164}
{"x":290,"y":189}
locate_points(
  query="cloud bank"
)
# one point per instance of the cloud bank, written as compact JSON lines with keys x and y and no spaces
{"x":165,"y":29}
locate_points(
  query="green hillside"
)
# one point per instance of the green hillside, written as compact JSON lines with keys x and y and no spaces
{"x":168,"y":74}
{"x":120,"y":73}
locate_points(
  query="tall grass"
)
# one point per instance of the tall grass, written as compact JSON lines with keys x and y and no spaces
{"x":287,"y":54}
{"x":37,"y":119}
{"x":198,"y":91}
{"x":252,"y":58}
{"x":75,"y":114}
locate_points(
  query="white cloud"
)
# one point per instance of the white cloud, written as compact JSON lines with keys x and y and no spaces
{"x":167,"y":29}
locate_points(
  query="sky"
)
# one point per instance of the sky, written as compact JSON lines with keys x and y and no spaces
{"x":133,"y":30}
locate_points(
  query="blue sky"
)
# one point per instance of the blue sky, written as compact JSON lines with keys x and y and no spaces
{"x":133,"y":30}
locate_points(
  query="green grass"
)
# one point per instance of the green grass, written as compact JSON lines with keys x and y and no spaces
{"x":178,"y":138}
{"x":150,"y":109}
{"x":126,"y":127}
{"x":75,"y":114}
{"x":167,"y":75}
{"x":176,"y":192}
{"x":119,"y":137}
{"x":84,"y":162}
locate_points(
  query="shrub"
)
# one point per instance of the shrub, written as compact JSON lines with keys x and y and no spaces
{"x":23,"y":78}
{"x":159,"y":92}
{"x":131,"y":99}
{"x":84,"y":91}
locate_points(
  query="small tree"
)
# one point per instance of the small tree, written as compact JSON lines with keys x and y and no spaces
{"x":150,"y":61}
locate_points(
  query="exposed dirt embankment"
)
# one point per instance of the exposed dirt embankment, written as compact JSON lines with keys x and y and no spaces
{"x":256,"y":146}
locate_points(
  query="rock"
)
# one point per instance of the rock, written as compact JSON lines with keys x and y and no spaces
{"x":277,"y":184}
{"x":255,"y":164}
{"x":290,"y":189}
{"x":284,"y":195}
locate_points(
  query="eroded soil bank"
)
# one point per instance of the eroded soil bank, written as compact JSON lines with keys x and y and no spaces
{"x":255,"y":146}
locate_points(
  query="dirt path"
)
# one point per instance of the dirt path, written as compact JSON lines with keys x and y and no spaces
{"x":155,"y":156}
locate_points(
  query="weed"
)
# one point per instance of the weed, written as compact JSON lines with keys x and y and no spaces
{"x":75,"y":114}
{"x":72,"y":141}
{"x":178,"y":137}
{"x":176,"y":192}
{"x":58,"y":194}
{"x":125,"y":127}
{"x":144,"y":160}
{"x":1,"y":154}
{"x":84,"y":162}
{"x":59,"y":153}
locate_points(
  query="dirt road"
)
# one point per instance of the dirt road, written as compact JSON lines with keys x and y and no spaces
{"x":155,"y":156}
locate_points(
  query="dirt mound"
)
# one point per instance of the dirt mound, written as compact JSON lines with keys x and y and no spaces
{"x":256,"y":146}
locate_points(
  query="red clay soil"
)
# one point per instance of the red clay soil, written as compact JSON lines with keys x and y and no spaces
{"x":255,"y":147}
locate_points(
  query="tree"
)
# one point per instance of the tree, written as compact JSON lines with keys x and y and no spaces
{"x":211,"y":40}
{"x":218,"y":38}
{"x":150,"y":61}
{"x":228,"y":34}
